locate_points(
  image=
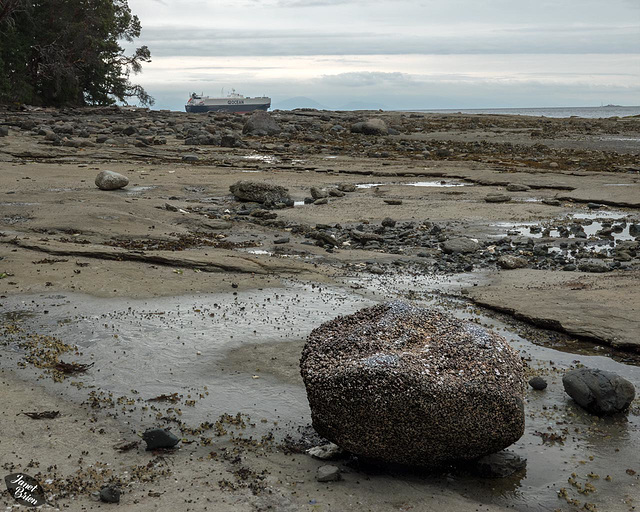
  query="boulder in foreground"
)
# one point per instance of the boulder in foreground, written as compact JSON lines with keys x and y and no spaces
{"x":402,"y":384}
{"x":262,"y":193}
{"x":110,"y":180}
{"x":598,"y":391}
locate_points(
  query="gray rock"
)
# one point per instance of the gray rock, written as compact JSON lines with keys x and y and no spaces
{"x":497,"y":198}
{"x":594,"y":206}
{"x":598,"y":391}
{"x":517,"y":187}
{"x":329,"y":451}
{"x":393,"y":202}
{"x":347,"y":187}
{"x":334,"y":192}
{"x":190,"y":158}
{"x":509,"y":262}
{"x":499,"y":465}
{"x":261,"y":123}
{"x":110,"y":180}
{"x":159,"y":438}
{"x":279,"y":241}
{"x":388,"y":222}
{"x":551,"y":202}
{"x":370,"y":127}
{"x":4,"y":131}
{"x":318,"y":193}
{"x":634,"y":230}
{"x":258,"y":192}
{"x":459,"y":245}
{"x":322,"y":201}
{"x":593,"y":267}
{"x":328,"y":474}
{"x":538,"y":383}
{"x":408,"y":385}
{"x":110,"y":494}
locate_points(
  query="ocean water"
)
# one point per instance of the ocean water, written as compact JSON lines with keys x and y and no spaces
{"x":585,"y":112}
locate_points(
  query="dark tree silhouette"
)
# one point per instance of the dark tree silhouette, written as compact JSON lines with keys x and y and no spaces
{"x":68,"y":52}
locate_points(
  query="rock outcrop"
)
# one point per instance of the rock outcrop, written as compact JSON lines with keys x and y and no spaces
{"x":407,"y":385}
{"x":262,"y":193}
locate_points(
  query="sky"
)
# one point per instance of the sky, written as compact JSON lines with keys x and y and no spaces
{"x":424,"y":54}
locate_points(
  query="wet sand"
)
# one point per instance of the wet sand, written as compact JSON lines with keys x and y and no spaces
{"x":220,"y":314}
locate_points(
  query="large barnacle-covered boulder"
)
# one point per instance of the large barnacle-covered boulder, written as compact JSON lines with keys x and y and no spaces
{"x":404,"y":384}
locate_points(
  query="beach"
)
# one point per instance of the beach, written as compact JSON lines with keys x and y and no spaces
{"x":190,"y":308}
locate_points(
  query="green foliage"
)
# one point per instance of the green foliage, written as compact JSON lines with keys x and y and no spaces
{"x":67,"y":52}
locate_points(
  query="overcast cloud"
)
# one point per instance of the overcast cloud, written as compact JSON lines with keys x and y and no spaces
{"x":395,"y":54}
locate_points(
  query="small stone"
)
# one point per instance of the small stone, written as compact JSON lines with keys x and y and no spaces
{"x":190,"y":158}
{"x":347,"y":187}
{"x":393,"y":202}
{"x":329,"y":451}
{"x":110,"y":494}
{"x":517,"y":187}
{"x":284,"y":240}
{"x":594,"y":206}
{"x":459,"y":245}
{"x":110,"y":180}
{"x":538,"y":383}
{"x":159,"y":438}
{"x":318,"y":193}
{"x":595,"y":267}
{"x":497,"y":198}
{"x":551,"y":202}
{"x":4,"y":131}
{"x":321,"y":201}
{"x":388,"y":222}
{"x":328,"y":473}
{"x":509,"y":262}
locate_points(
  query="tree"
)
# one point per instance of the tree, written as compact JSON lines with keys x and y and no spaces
{"x":67,"y":52}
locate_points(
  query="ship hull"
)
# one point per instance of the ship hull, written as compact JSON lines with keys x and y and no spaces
{"x":238,"y":109}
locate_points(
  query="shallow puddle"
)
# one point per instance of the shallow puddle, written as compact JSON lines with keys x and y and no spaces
{"x":437,"y":184}
{"x":268,"y":159}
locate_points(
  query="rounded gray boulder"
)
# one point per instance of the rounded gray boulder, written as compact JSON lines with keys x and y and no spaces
{"x":370,"y":127}
{"x":408,"y":385}
{"x":261,"y":123}
{"x":110,"y":180}
{"x":598,"y":391}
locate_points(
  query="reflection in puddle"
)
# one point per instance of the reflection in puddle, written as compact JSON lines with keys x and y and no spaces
{"x":437,"y":184}
{"x":269,"y":159}
{"x":138,"y":189}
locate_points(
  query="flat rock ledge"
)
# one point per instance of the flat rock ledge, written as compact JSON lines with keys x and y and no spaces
{"x":402,"y":384}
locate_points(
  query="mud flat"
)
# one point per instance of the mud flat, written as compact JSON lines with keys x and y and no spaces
{"x":183,"y":308}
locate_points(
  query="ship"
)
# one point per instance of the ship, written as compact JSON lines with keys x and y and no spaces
{"x":233,"y":102}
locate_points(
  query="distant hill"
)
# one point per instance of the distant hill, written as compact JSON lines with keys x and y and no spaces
{"x":298,"y":102}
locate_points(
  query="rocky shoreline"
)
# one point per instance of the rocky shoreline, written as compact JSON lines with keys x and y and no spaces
{"x":267,"y":229}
